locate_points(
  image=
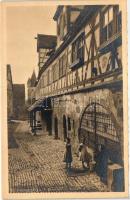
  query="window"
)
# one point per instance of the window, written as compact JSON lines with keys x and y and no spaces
{"x":43,"y":81}
{"x":107,"y":28}
{"x":49,"y":81}
{"x":108,"y":17}
{"x":119,"y":21}
{"x":62,"y":65}
{"x":105,"y":19}
{"x":110,"y":14}
{"x":55,"y":71}
{"x":78,"y":51}
{"x":48,"y":76}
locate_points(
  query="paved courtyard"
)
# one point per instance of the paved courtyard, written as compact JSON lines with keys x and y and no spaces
{"x":36,"y":165}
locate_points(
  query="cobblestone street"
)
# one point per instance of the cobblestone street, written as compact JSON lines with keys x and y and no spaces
{"x":36,"y":165}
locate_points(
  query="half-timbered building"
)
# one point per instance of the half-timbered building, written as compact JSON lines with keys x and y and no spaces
{"x":79,"y":89}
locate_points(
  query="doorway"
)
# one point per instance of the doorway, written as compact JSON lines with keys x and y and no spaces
{"x":64,"y":127}
{"x":56,"y":127}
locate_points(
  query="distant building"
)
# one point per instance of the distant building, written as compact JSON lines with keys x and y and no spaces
{"x":19,"y":101}
{"x":31,"y":89}
{"x":9,"y":92}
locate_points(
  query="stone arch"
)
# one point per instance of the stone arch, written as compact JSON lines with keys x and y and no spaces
{"x":113,"y":117}
{"x":100,"y":127}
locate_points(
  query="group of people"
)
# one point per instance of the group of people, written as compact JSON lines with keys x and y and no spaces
{"x":100,"y":161}
{"x":85,"y":157}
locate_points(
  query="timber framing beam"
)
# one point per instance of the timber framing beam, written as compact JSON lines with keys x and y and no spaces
{"x":106,"y":85}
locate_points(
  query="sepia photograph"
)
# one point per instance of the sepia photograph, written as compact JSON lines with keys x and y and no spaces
{"x":64,"y":99}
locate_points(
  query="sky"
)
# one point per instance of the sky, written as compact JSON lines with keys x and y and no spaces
{"x":23,"y":23}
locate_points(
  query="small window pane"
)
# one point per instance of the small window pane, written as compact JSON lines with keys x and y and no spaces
{"x":64,"y":63}
{"x":110,"y":14}
{"x":106,"y":18}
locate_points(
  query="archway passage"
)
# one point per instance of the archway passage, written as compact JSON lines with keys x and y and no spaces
{"x":47,"y":118}
{"x":64,"y":127}
{"x":56,"y":127}
{"x":97,"y":127}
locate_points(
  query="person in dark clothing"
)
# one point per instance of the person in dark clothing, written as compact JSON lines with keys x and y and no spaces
{"x":68,"y":154}
{"x":102,"y":163}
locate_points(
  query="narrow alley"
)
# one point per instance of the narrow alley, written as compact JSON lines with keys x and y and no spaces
{"x":36,"y":165}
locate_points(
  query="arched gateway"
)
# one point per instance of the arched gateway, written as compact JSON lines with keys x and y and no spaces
{"x":97,"y":127}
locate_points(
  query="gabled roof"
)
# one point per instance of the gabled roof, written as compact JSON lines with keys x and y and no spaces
{"x":46,"y":41}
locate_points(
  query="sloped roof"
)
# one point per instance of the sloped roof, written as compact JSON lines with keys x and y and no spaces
{"x":46,"y":41}
{"x":31,"y":81}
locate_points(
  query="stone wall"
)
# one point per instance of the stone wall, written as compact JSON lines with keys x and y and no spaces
{"x":9,"y":93}
{"x":19,"y":101}
{"x":9,"y":101}
{"x":73,"y":106}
